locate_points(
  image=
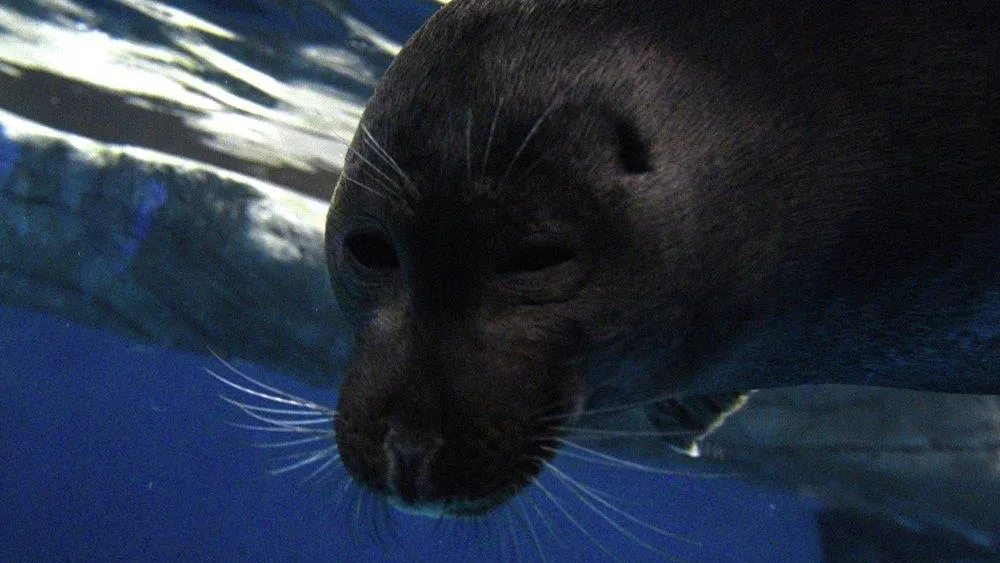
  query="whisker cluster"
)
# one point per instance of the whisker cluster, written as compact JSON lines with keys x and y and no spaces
{"x":388,"y":181}
{"x":281,"y":412}
{"x":593,"y":500}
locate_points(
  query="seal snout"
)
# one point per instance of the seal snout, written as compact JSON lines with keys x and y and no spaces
{"x":409,"y":457}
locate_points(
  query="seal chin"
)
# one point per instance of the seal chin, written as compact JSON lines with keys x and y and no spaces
{"x":459,"y":508}
{"x":430,"y":510}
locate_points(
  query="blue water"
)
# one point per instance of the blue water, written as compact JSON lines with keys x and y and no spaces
{"x":114,"y":451}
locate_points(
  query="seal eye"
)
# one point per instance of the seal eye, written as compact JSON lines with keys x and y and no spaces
{"x":537,"y":257}
{"x":371,"y":250}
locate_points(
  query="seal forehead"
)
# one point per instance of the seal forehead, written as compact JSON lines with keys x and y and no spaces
{"x":525,"y":62}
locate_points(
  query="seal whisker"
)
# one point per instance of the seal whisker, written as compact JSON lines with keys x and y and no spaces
{"x":528,"y":137}
{"x":545,"y":519}
{"x":619,"y":464}
{"x":259,"y":409}
{"x":274,"y":394}
{"x":549,"y":407}
{"x":393,"y":187}
{"x":531,"y":529}
{"x":602,"y":498}
{"x":582,"y":493}
{"x":321,"y":470}
{"x":255,"y":408}
{"x":527,"y":169}
{"x":559,"y":97}
{"x":278,"y":421}
{"x":606,"y":459}
{"x":576,"y":523}
{"x":513,"y":534}
{"x":282,"y":429}
{"x":618,"y":408}
{"x":342,"y":493}
{"x":489,"y":141}
{"x":468,"y":148}
{"x":364,"y":186}
{"x":386,"y":156}
{"x":254,"y":392}
{"x":298,"y":442}
{"x":332,"y":449}
{"x":281,"y":397}
{"x":312,"y":458}
{"x":598,"y":432}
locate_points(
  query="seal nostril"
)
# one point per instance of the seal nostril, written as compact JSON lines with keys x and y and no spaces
{"x":410,"y":457}
{"x":633,"y":152}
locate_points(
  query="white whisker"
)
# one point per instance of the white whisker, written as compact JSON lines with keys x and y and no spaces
{"x":528,"y":137}
{"x":364,"y":186}
{"x":282,"y":429}
{"x":278,"y":421}
{"x":315,"y":456}
{"x":630,"y":406}
{"x":306,"y":418}
{"x":468,"y":147}
{"x":321,"y":469}
{"x":512,"y":532}
{"x":385,"y":155}
{"x":304,"y":454}
{"x":531,"y":529}
{"x":393,"y":187}
{"x":577,"y":489}
{"x":255,"y":408}
{"x":605,"y":459}
{"x":255,"y":393}
{"x":574,"y":521}
{"x":489,"y":141}
{"x":625,"y":433}
{"x":544,"y":518}
{"x":602,"y":496}
{"x":274,"y":394}
{"x":343,"y":493}
{"x":299,"y":442}
{"x":541,"y":119}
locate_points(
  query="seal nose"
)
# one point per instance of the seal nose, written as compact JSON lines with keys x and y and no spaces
{"x":410,"y":456}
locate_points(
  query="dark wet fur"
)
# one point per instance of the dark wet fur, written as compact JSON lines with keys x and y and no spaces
{"x":716,"y":196}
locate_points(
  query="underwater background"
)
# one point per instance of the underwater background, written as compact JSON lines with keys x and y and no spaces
{"x":116,"y":449}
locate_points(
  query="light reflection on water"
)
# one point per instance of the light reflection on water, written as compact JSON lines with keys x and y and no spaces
{"x":141,"y":73}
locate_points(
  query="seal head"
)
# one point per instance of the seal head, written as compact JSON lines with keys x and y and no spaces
{"x":473,"y":254}
{"x":552,"y":203}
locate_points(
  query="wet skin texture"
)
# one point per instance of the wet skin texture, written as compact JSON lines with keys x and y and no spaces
{"x":557,"y":204}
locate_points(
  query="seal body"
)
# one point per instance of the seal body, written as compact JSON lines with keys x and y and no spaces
{"x":550,"y":204}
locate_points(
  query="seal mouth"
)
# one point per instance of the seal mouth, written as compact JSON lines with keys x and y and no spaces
{"x":442,"y":481}
{"x":465,"y":507}
{"x":465,"y":469}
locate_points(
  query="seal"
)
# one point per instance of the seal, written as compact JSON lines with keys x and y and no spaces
{"x":552,"y":206}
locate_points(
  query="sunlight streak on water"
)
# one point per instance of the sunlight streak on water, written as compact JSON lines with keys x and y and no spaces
{"x":216,"y":81}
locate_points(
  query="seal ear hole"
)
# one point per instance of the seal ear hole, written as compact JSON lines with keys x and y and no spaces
{"x":537,"y":257}
{"x":633,"y":153}
{"x":372,"y":250}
